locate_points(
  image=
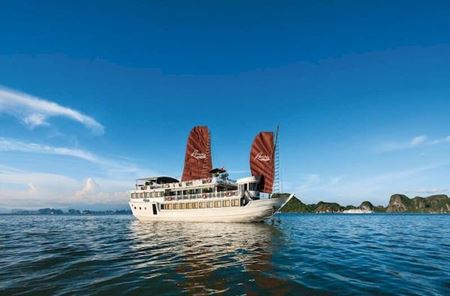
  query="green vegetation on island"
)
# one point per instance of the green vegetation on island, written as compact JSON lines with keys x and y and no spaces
{"x":398,"y":203}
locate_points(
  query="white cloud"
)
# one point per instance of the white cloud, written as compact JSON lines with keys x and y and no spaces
{"x":353,"y":189}
{"x":31,"y":188}
{"x":111,"y":166}
{"x":15,"y":145}
{"x":310,"y":181}
{"x":429,"y":191}
{"x":91,"y":192}
{"x":90,"y":188}
{"x":34,"y":111}
{"x":25,"y":189}
{"x":418,"y":141}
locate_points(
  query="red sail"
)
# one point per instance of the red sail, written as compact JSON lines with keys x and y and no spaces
{"x":197,"y":162}
{"x":262,"y":160}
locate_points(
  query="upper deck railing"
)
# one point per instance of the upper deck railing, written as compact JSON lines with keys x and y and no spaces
{"x":200,"y":182}
{"x":221,"y":194}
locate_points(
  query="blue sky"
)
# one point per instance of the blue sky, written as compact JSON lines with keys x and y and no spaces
{"x":94,"y":95}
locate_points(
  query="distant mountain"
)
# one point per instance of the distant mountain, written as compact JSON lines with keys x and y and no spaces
{"x":368,"y":206}
{"x":296,"y":205}
{"x":50,"y":211}
{"x":328,"y":207}
{"x":399,"y":203}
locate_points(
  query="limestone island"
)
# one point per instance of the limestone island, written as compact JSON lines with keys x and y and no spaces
{"x":398,"y":203}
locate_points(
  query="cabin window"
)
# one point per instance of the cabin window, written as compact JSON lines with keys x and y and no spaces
{"x":195,"y":205}
{"x":235,"y":203}
{"x":169,"y":206}
{"x":175,"y":206}
{"x":226,"y":203}
{"x":140,"y":208}
{"x":218,"y":204}
{"x":135,"y":208}
{"x":210,"y":204}
{"x":184,"y":192}
{"x":162,"y":206}
{"x":201,"y":205}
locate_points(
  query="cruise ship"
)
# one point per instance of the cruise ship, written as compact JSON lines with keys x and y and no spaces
{"x":205,"y":194}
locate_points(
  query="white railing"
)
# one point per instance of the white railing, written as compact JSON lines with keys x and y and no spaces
{"x":223,"y":194}
{"x":186,"y":183}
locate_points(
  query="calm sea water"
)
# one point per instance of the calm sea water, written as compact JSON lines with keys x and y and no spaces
{"x":303,"y":255}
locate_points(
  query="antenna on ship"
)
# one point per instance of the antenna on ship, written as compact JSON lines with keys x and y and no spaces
{"x":277,"y":185}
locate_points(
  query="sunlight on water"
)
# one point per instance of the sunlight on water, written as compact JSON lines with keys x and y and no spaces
{"x":305,"y":254}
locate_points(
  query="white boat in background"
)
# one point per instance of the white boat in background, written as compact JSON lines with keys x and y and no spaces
{"x":357,"y":211}
{"x":205,"y":194}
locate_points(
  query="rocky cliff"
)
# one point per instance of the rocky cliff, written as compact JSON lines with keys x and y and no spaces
{"x":400,"y":203}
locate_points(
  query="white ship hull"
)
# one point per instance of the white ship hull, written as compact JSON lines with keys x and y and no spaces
{"x":254,"y":211}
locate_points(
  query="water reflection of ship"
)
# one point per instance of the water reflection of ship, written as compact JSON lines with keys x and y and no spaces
{"x":213,"y":258}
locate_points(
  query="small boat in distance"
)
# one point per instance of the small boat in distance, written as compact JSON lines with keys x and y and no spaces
{"x":205,"y":194}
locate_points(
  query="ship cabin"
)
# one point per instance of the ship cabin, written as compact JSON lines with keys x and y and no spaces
{"x":171,"y":189}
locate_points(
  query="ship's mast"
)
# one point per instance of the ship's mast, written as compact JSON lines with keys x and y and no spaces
{"x":277,"y":185}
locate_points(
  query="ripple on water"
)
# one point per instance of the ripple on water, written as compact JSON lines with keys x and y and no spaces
{"x":305,"y":254}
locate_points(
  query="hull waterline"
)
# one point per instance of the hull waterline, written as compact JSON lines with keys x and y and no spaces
{"x":254,"y":211}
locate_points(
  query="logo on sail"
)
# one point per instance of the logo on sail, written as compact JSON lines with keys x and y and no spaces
{"x":198,"y":155}
{"x":262,"y":157}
